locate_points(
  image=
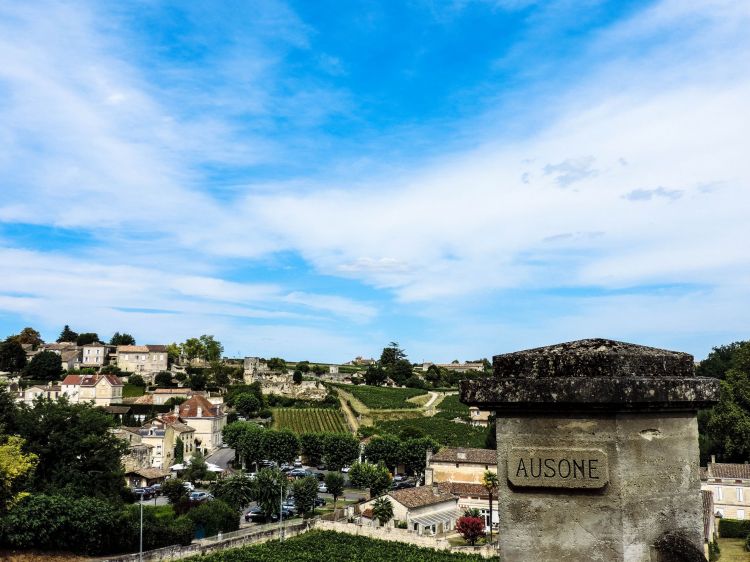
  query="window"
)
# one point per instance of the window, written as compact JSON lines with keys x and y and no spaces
{"x":740,"y":495}
{"x":719,"y":493}
{"x":740,"y":514}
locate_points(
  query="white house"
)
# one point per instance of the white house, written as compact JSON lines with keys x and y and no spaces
{"x":102,"y":390}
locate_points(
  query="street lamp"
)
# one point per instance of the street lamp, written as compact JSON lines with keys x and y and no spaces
{"x":140,"y":547}
{"x":281,"y":508}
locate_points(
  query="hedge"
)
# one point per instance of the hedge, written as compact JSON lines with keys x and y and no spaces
{"x":734,"y":528}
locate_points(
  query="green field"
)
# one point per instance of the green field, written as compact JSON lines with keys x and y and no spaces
{"x":443,"y":431}
{"x":132,"y":391}
{"x":451,"y":404}
{"x":309,"y":420}
{"x":733,"y":550}
{"x":383,"y":398}
{"x":315,"y":546}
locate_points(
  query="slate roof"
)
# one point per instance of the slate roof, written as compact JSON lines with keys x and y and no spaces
{"x":728,"y":470}
{"x":466,"y":455}
{"x":421,"y":496}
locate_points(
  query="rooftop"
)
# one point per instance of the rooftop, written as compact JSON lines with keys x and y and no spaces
{"x":727,"y":470}
{"x":467,"y":455}
{"x":189,"y":408}
{"x":421,"y":496}
{"x":464,"y":489}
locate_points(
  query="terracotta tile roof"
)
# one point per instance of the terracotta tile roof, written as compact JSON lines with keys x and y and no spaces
{"x":150,"y":473}
{"x":132,"y":349}
{"x":172,"y":391}
{"x":367,"y":513}
{"x":464,"y":489}
{"x":708,"y":513}
{"x":421,"y":496}
{"x":466,"y":455}
{"x":91,"y":380}
{"x":729,"y":470}
{"x":189,"y":408}
{"x":157,"y":348}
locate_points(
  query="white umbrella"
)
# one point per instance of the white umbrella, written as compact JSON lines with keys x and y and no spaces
{"x":178,"y":466}
{"x":214,"y":468}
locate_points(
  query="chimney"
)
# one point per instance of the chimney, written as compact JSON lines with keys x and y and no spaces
{"x":176,"y":409}
{"x":713,"y":459}
{"x":200,"y":412}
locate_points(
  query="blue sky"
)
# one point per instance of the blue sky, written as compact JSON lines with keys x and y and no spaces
{"x":316,"y":179}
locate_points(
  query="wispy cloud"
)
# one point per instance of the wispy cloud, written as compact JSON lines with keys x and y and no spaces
{"x":648,"y":194}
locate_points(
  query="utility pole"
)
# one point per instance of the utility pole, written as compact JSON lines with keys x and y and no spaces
{"x":140,"y":548}
{"x":281,"y":509}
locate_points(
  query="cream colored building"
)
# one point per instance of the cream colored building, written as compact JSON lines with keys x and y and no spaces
{"x":730,"y":484}
{"x":28,"y":395}
{"x":102,"y":390}
{"x":460,"y":472}
{"x":208,"y":420}
{"x":94,"y":355}
{"x":479,"y":418}
{"x":162,"y":434}
{"x":426,"y":510}
{"x":142,"y":359}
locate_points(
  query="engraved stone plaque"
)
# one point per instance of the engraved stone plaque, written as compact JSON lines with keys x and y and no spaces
{"x":544,"y":467}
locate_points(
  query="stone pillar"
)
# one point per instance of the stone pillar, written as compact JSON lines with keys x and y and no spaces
{"x":597,"y":450}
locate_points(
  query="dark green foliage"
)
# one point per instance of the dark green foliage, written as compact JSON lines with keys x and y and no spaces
{"x":214,"y":516}
{"x":303,"y":367}
{"x":297,"y":377}
{"x":279,"y":401}
{"x":276,"y":364}
{"x":328,"y":546}
{"x":122,"y":339}
{"x":112,"y":370}
{"x":490,"y":438}
{"x":443,"y":431}
{"x":174,"y":490}
{"x":305,"y":491}
{"x":197,"y":468}
{"x":280,"y":446}
{"x":175,"y":401}
{"x":160,"y":528}
{"x":271,"y":485}
{"x":374,"y":477}
{"x":385,"y":449}
{"x":312,"y":446}
{"x":414,"y":454}
{"x":12,"y":356}
{"x":136,"y":380}
{"x":375,"y":375}
{"x":248,"y":441}
{"x":236,"y":491}
{"x":734,"y":528}
{"x":29,"y":336}
{"x":415,"y":382}
{"x":87,"y":338}
{"x":8,"y":412}
{"x":309,"y":420}
{"x":719,"y":361}
{"x":340,"y":450}
{"x":335,"y":484}
{"x":67,"y":335}
{"x":237,"y":389}
{"x":77,"y":453}
{"x":179,"y":450}
{"x":45,"y":365}
{"x":163,"y":379}
{"x":198,"y":379}
{"x":247,"y":404}
{"x":382,"y":510}
{"x":453,"y":406}
{"x":391,"y":354}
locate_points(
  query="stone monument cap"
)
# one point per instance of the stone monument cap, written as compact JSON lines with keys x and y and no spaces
{"x":592,"y":374}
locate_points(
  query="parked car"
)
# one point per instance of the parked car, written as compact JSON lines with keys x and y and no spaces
{"x":189,"y":486}
{"x":401,"y":485}
{"x":345,"y":469}
{"x":399,"y":477}
{"x":156,"y":489}
{"x":321,"y":466}
{"x":320,"y":502}
{"x":200,"y":496}
{"x":143,"y":493}
{"x":297,"y":464}
{"x":322,"y":488}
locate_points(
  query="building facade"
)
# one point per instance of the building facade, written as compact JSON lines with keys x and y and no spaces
{"x":730,"y":484}
{"x":95,"y":355}
{"x":208,"y":420}
{"x":426,"y":510}
{"x":102,"y":390}
{"x":142,"y":359}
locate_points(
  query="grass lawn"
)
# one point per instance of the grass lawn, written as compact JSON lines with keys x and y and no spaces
{"x":132,"y":391}
{"x":733,"y":550}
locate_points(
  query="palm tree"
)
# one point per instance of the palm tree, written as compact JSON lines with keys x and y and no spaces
{"x":382,"y":510}
{"x":490,"y":483}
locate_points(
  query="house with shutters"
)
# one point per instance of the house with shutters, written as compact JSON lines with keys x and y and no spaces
{"x":730,"y":484}
{"x":142,"y":359}
{"x":102,"y":390}
{"x":95,"y":355}
{"x":207,"y":418}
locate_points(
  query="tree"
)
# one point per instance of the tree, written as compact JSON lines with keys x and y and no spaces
{"x":340,"y":450}
{"x":87,"y":338}
{"x":113,"y":370}
{"x":375,"y":477}
{"x":729,"y":422}
{"x":198,"y":380}
{"x":197,"y":468}
{"x":297,"y":377}
{"x":720,"y":360}
{"x":490,"y":440}
{"x":490,"y":483}
{"x":212,"y":349}
{"x":29,"y":336}
{"x":12,"y":356}
{"x":193,"y":348}
{"x":247,"y":440}
{"x":303,"y":366}
{"x":335,"y":485}
{"x":45,"y":365}
{"x":281,"y":446}
{"x":270,"y":486}
{"x":312,"y":446}
{"x":415,"y":381}
{"x":277,"y":364}
{"x":236,"y":491}
{"x":391,"y":355}
{"x":305,"y":493}
{"x":470,"y":528}
{"x":136,"y":380}
{"x":247,"y":405}
{"x":122,"y":339}
{"x":214,"y":517}
{"x":375,"y":375}
{"x":78,"y":455}
{"x":67,"y":335}
{"x":401,"y":371}
{"x":414,"y":454}
{"x":163,"y":379}
{"x":434,"y":375}
{"x":16,"y":467}
{"x":179,"y":449}
{"x":175,"y":401}
{"x":173,"y":352}
{"x":174,"y":490}
{"x":386,"y":449}
{"x":382,"y":510}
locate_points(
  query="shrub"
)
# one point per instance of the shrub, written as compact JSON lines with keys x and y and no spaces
{"x":470,"y":528}
{"x":734,"y":528}
{"x":214,"y":516}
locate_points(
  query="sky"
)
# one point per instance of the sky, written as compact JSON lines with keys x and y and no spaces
{"x":313,"y":180}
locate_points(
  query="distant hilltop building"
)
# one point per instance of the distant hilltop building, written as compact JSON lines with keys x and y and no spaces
{"x":361,"y":362}
{"x":476,"y":366}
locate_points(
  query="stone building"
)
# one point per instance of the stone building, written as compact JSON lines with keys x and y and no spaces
{"x":95,"y":355}
{"x":102,"y":390}
{"x":426,"y":510}
{"x":207,"y":419}
{"x":730,"y":484}
{"x":142,"y":359}
{"x":31,"y":393}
